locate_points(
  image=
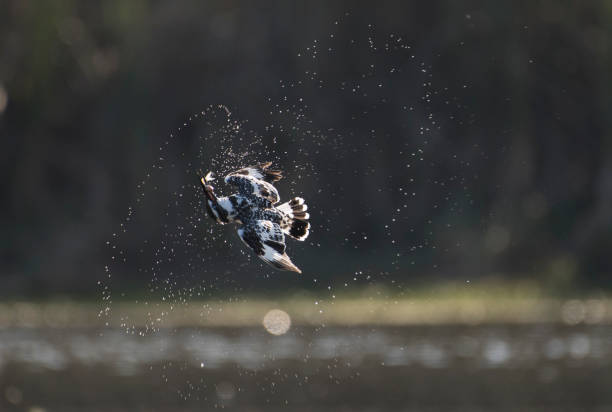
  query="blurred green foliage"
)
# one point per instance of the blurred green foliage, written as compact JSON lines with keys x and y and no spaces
{"x":91,"y":90}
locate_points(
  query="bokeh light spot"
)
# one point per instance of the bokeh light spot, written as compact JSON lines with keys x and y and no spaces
{"x":497,"y":239}
{"x":277,"y":322}
{"x":573,"y":312}
{"x":13,"y":395}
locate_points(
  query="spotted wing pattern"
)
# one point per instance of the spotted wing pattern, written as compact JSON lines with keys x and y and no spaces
{"x":249,"y":185}
{"x":268,"y":242}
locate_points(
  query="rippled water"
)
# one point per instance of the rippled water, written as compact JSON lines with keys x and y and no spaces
{"x":225,"y":366}
{"x":253,"y":348}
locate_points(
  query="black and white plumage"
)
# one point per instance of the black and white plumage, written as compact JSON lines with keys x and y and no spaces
{"x":263,"y":224}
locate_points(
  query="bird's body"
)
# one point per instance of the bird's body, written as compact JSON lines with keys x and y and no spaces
{"x":263,"y":224}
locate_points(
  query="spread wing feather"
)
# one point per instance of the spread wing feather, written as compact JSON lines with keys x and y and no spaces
{"x":268,"y":242}
{"x":261,"y":172}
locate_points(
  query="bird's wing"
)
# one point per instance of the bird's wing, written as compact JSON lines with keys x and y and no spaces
{"x":250,"y":186}
{"x":260,"y":172}
{"x":268,"y":242}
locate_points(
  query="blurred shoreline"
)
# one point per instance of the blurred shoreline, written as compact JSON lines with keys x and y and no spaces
{"x":306,"y":311}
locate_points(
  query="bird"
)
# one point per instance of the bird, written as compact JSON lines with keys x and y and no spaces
{"x":263,"y":223}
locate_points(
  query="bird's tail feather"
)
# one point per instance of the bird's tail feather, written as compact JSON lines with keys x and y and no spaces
{"x":296,"y":225}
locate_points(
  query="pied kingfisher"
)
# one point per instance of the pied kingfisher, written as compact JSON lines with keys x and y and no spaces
{"x":263,"y":224}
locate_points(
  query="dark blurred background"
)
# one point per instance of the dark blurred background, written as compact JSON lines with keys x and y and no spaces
{"x":90,"y":90}
{"x":456,"y":158}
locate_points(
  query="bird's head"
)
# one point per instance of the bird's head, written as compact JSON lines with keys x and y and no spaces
{"x":208,"y":188}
